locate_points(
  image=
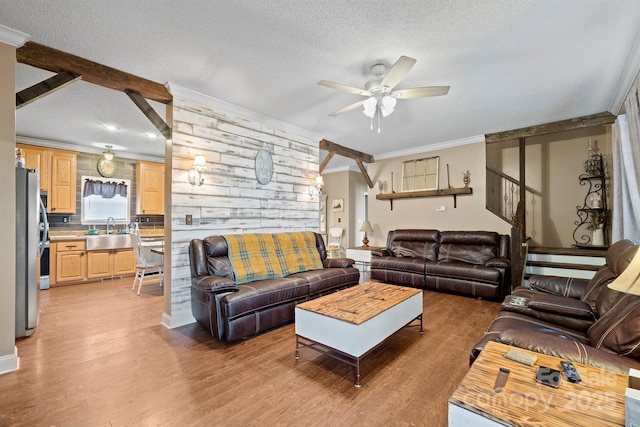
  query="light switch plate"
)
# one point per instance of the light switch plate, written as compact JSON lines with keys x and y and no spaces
{"x":441,"y":208}
{"x":189,"y":219}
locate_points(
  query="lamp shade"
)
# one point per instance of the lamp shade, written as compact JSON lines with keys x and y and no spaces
{"x":629,"y":280}
{"x":370,"y":106}
{"x":108,"y":155}
{"x":319,"y":182}
{"x":199,"y":162}
{"x":366,"y":227}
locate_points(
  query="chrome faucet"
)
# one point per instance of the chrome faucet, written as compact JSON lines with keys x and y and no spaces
{"x":110,"y":221}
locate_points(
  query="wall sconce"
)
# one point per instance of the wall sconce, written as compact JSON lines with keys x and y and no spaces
{"x":195,"y":173}
{"x":367,"y":228}
{"x":317,"y":186}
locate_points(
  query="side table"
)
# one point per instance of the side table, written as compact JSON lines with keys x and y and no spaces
{"x":362,"y":254}
{"x":597,"y":400}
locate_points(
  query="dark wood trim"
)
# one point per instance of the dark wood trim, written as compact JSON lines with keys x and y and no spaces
{"x":358,"y":156}
{"x":148,"y":111}
{"x":599,"y":119}
{"x":45,"y":87}
{"x":57,"y":61}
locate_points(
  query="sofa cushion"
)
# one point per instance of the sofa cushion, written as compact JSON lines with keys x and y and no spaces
{"x":253,"y":257}
{"x":328,"y":279}
{"x":422,"y":244}
{"x":473,"y":247}
{"x":618,"y":330}
{"x":460,"y":270}
{"x":262,"y":294}
{"x":409,"y":265}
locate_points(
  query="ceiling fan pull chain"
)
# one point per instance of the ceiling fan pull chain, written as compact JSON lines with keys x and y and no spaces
{"x":378,"y":117}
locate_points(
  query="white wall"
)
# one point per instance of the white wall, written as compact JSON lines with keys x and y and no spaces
{"x":231,"y":199}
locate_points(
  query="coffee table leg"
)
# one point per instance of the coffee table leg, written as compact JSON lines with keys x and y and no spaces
{"x":358,"y":372}
{"x":421,"y":330}
{"x":297,"y":348}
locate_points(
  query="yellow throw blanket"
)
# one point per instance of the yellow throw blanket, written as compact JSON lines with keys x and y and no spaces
{"x":263,"y":256}
{"x":297,"y":252}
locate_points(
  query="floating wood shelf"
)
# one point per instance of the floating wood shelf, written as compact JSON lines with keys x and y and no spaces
{"x":430,"y":193}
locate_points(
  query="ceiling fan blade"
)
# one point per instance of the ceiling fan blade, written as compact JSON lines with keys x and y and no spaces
{"x":397,"y":72}
{"x":344,"y":88}
{"x":348,"y":108}
{"x":420,"y":92}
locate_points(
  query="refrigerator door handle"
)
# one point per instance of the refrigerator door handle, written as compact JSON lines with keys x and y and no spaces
{"x":45,"y":232}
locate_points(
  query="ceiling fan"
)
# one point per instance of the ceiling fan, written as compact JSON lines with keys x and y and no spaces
{"x":381,"y":98}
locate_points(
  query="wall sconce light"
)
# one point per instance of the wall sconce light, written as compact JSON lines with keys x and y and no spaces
{"x":195,"y":173}
{"x":366,"y":227}
{"x":317,"y":186}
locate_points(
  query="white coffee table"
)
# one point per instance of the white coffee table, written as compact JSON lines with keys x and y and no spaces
{"x":348,"y":324}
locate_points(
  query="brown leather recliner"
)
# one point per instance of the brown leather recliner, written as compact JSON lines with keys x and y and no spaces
{"x":230,"y":311}
{"x":475,"y":263}
{"x":575,"y":319}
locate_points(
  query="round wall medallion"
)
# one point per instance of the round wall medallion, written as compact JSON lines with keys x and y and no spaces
{"x":107,"y":168}
{"x":264,"y":167}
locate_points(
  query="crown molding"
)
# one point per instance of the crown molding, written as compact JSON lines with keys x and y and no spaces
{"x":13,"y":37}
{"x":431,"y":147}
{"x":182,"y":92}
{"x":629,"y":73}
{"x":82,"y":148}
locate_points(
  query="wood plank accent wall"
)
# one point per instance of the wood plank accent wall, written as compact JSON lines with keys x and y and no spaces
{"x":231,"y":200}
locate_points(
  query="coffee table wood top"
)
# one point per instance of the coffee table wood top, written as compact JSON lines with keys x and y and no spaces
{"x":597,"y":400}
{"x":359,"y":303}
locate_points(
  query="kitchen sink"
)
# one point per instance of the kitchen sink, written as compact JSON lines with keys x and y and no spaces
{"x":109,"y":241}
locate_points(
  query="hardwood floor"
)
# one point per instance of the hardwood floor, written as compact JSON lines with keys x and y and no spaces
{"x":100,"y":357}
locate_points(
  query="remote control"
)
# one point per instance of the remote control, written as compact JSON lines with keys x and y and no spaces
{"x":570,"y":372}
{"x":520,"y":356}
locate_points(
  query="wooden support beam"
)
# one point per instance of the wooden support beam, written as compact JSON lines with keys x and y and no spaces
{"x":599,"y":119}
{"x":45,"y":87}
{"x":148,"y":111}
{"x":57,"y":61}
{"x":358,"y":156}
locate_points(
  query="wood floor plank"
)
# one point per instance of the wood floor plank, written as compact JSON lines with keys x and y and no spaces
{"x":101,"y":358}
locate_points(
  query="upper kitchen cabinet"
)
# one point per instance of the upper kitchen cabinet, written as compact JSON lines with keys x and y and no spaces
{"x":149,"y":188}
{"x":38,"y":158}
{"x":62,"y":192}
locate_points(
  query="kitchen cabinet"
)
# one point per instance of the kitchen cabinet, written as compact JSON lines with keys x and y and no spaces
{"x":62,"y":194}
{"x":149,"y":188}
{"x":37,"y":158}
{"x":70,"y":261}
{"x":109,"y":263}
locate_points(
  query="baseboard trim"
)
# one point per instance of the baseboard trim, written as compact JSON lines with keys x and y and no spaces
{"x":10,"y":362}
{"x":181,"y":318}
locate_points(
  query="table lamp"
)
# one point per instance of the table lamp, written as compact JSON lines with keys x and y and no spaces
{"x":366,"y":227}
{"x":629,"y":280}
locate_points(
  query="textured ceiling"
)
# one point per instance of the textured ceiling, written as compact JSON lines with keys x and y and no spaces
{"x":510,"y":63}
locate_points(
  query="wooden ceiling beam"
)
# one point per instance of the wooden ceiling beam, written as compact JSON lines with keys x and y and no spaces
{"x":57,"y":61}
{"x":45,"y":87}
{"x":598,"y":119}
{"x":358,"y":156}
{"x":148,"y":111}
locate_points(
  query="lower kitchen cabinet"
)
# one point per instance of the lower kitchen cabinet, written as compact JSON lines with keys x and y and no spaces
{"x":114,"y":262}
{"x":72,"y":263}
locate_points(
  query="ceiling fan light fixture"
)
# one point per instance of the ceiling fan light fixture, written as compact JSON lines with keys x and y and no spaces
{"x":387,"y":105}
{"x":370,"y":106}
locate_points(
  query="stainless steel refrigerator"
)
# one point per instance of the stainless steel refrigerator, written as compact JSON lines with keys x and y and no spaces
{"x":28,"y":247}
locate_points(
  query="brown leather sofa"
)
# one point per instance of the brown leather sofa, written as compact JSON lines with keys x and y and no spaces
{"x":575,"y":319}
{"x":230,"y":311}
{"x":474,"y":263}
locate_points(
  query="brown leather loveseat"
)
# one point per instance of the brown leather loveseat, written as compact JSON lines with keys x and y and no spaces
{"x":474,"y":263}
{"x":230,"y":311}
{"x":575,"y":319}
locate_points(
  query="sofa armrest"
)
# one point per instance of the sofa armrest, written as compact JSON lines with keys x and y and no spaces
{"x":567,"y":349}
{"x":337,"y":262}
{"x":214,"y":284}
{"x":498,"y":262}
{"x":562,"y":286}
{"x":555,"y":304}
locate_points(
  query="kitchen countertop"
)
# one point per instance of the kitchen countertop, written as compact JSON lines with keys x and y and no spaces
{"x":56,"y":235}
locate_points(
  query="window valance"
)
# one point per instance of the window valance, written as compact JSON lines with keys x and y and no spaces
{"x":107,"y":190}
